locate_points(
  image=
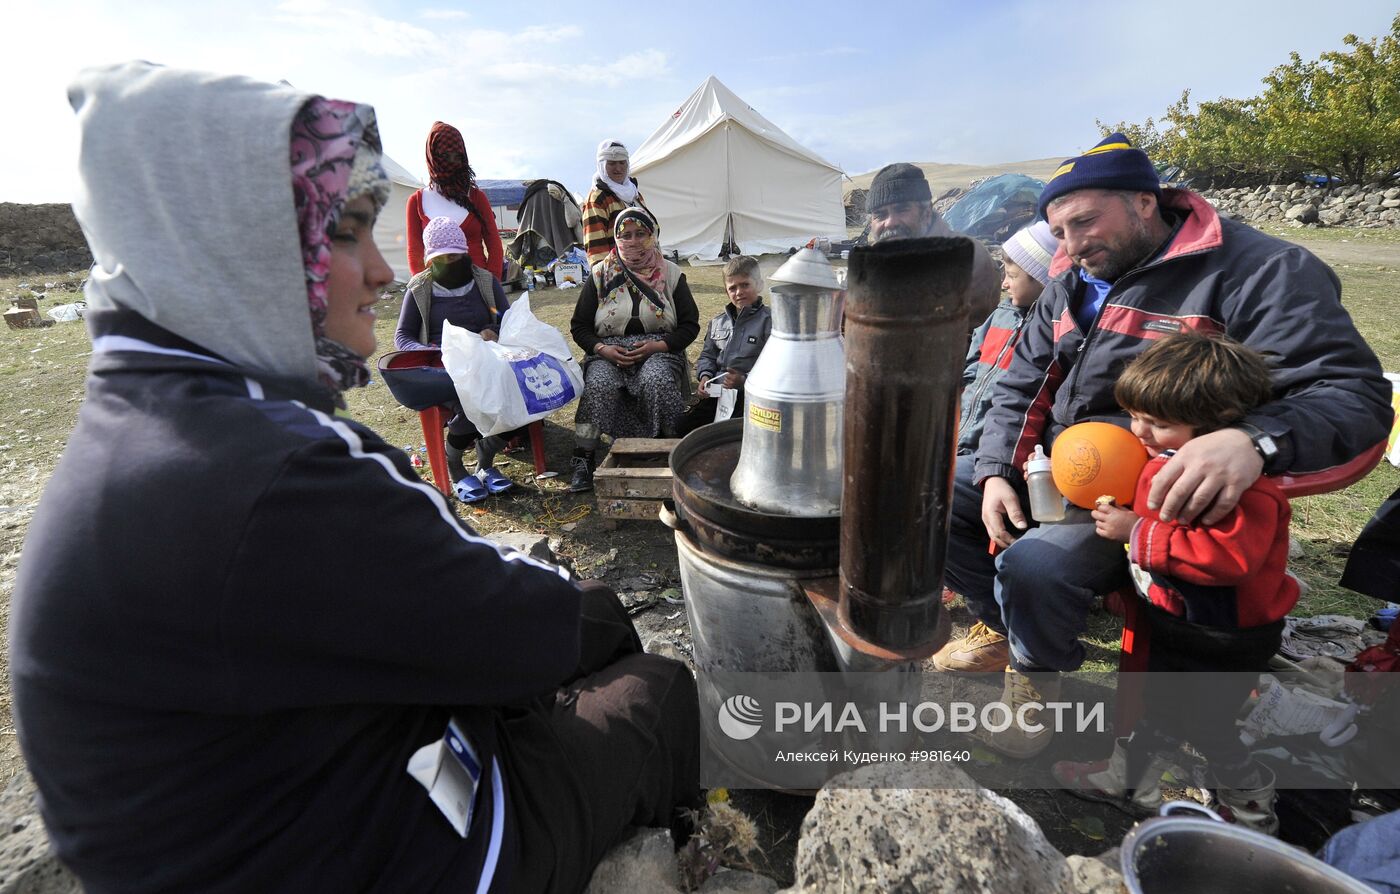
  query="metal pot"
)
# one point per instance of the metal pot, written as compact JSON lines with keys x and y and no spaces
{"x":709,"y":513}
{"x":1203,"y":854}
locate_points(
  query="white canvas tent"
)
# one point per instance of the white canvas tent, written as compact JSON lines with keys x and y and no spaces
{"x":719,"y":171}
{"x":390,"y":232}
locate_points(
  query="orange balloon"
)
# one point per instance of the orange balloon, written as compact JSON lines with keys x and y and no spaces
{"x":1097,"y":459}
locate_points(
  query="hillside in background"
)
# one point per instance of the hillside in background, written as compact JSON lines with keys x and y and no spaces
{"x":942,"y":178}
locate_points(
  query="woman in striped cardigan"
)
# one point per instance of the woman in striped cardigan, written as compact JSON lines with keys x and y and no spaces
{"x":614,"y":189}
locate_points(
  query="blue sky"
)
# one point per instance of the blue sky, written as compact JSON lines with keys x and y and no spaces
{"x":534,"y":86}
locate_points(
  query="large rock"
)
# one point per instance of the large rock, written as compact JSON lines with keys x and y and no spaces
{"x":1092,"y":875}
{"x":536,"y":546}
{"x":1303,"y":212}
{"x":644,"y":862}
{"x":27,"y":863}
{"x":923,"y":828}
{"x":733,"y":881}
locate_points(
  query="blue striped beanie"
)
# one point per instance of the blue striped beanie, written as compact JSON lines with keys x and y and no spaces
{"x":1113,"y":164}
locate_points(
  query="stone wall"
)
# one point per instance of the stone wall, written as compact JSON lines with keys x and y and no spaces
{"x":1298,"y":205}
{"x":40,"y":239}
{"x":1294,"y":204}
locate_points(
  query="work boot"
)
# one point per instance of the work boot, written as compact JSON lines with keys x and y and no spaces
{"x":1252,"y":807}
{"x":983,"y":649}
{"x":583,"y":472}
{"x":1017,"y":690}
{"x":1107,"y":780}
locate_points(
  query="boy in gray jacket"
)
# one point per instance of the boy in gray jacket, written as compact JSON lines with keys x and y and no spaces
{"x":733,"y":341}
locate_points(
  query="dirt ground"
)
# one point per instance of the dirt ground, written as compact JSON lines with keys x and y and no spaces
{"x":41,"y":372}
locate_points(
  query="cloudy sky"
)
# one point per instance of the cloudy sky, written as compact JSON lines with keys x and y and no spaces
{"x":535,"y":85}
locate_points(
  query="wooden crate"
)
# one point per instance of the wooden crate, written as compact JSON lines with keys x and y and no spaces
{"x":23,"y":318}
{"x":634,"y":478}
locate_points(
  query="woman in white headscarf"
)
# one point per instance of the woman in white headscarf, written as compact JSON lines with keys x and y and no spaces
{"x":614,"y":189}
{"x":240,"y":613}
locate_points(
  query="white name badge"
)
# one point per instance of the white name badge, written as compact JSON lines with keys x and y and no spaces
{"x":450,"y":770}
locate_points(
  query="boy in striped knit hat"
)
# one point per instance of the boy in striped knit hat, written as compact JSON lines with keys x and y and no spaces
{"x":1027,"y":257}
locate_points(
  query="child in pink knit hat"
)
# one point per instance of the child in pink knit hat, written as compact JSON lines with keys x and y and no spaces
{"x":453,"y":290}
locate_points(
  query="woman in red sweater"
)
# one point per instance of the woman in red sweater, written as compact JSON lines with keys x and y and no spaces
{"x":452,"y":192}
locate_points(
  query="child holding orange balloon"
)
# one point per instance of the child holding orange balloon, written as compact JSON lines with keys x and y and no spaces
{"x":1217,"y":593}
{"x":1181,"y":387}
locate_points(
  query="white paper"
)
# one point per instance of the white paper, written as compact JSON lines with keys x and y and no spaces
{"x":1284,"y":711}
{"x":725,"y":409}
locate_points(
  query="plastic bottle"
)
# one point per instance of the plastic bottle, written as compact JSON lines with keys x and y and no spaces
{"x":1047,"y":503}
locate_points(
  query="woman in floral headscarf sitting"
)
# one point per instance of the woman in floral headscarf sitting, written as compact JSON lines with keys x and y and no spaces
{"x":452,"y":192}
{"x":634,"y":319}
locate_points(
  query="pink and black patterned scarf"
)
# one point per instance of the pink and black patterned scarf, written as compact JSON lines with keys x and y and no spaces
{"x":335,"y":158}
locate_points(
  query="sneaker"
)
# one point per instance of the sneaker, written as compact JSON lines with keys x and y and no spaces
{"x":983,"y":649}
{"x":583,"y":475}
{"x":1019,"y":690}
{"x":1106,"y":781}
{"x":1251,"y":808}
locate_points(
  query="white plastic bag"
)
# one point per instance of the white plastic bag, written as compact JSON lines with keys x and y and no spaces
{"x":68,"y":313}
{"x":526,"y":374}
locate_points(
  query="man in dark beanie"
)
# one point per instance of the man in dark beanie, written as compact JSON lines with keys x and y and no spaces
{"x":1136,"y":262}
{"x":901,"y":207}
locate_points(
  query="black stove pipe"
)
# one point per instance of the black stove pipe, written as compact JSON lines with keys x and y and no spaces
{"x":905,"y":342}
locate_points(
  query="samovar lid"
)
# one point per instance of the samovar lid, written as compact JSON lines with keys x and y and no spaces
{"x":808,"y":267}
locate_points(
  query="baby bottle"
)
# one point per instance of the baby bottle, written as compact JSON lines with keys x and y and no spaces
{"x":1047,"y":503}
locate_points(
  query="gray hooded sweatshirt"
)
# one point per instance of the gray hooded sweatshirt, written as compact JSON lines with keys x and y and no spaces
{"x":191,"y":263}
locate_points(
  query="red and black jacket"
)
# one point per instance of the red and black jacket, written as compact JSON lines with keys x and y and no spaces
{"x":987,"y":359}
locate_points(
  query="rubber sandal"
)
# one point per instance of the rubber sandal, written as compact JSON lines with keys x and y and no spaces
{"x":494,"y":480}
{"x":471,"y":490}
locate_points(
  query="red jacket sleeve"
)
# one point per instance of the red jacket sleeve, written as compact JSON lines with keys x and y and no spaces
{"x":1223,"y":554}
{"x":414,"y":225}
{"x":489,"y":237}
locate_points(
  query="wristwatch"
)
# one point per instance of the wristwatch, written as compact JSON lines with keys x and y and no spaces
{"x":1263,"y":442}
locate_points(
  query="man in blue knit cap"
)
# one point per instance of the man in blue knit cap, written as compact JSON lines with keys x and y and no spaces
{"x":1137,"y":262}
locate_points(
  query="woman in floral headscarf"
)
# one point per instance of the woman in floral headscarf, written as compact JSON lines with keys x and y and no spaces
{"x":634,"y":319}
{"x":452,"y":192}
{"x":244,"y":633}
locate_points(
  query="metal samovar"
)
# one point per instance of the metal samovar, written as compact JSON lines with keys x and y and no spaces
{"x":791,"y":459}
{"x":785,"y":573}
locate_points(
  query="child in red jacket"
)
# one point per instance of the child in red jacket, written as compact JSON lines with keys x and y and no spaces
{"x":1217,"y":595}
